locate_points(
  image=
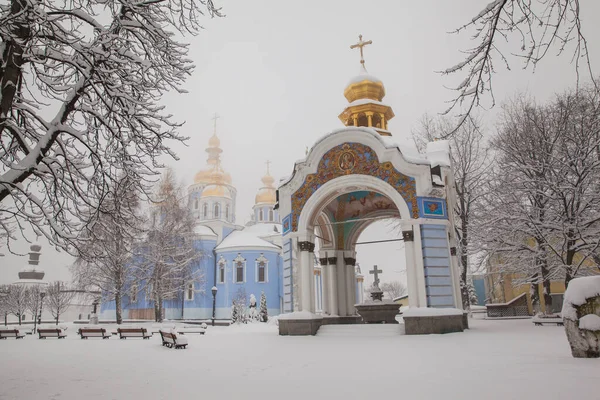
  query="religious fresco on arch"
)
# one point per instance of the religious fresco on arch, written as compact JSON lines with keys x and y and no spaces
{"x":358,"y":159}
{"x":357,"y":205}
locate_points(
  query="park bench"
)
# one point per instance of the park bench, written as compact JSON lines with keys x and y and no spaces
{"x":93,"y":332}
{"x":124,"y":333}
{"x":537,"y":321}
{"x":192,"y":329}
{"x":6,"y":333}
{"x":170,"y":339}
{"x":51,"y":332}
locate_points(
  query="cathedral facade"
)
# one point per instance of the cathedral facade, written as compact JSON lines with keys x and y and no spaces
{"x":237,"y":260}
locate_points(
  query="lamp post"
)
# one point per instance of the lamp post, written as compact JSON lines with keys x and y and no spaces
{"x":42,"y":294}
{"x":214,"y":293}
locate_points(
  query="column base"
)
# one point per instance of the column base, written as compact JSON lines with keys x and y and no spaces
{"x":299,"y":324}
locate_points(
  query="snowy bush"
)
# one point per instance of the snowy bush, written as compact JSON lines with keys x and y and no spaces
{"x":581,"y":315}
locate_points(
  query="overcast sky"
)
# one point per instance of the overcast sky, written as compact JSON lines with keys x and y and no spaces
{"x":275,"y":72}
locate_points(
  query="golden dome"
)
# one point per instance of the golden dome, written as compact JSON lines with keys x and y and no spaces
{"x":364,"y":94}
{"x":266,"y":194}
{"x":364,"y":86}
{"x":202,"y":176}
{"x":214,"y":141}
{"x":216,"y":191}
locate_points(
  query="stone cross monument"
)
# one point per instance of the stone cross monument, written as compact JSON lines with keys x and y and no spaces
{"x":376,"y":292}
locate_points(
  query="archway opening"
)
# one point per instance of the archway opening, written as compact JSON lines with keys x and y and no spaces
{"x":340,"y":224}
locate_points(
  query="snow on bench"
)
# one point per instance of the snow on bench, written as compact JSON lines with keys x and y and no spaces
{"x":6,"y":333}
{"x":93,"y":332}
{"x":192,"y":329}
{"x":170,"y":339}
{"x":124,"y":333}
{"x":51,"y":332}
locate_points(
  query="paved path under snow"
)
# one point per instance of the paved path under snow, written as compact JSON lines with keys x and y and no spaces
{"x":493,"y":360}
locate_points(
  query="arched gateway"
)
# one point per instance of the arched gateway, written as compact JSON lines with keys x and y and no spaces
{"x":350,"y":178}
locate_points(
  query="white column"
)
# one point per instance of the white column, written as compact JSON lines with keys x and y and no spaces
{"x":325,"y":287}
{"x":350,"y":282}
{"x":341,"y":284}
{"x":332,"y":292}
{"x":419,"y":267}
{"x":307,"y":274}
{"x":411,"y":273}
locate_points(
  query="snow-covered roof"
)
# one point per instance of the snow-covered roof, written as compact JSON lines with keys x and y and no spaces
{"x":204,"y":230}
{"x":244,"y":239}
{"x":363,"y":76}
{"x":360,"y":102}
{"x":406,"y":147}
{"x":264,"y":229}
{"x":438,"y":153}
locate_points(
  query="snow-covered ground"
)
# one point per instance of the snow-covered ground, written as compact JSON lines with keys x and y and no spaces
{"x":494,"y":360}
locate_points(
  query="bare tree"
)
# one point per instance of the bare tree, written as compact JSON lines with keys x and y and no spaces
{"x":16,"y":300}
{"x":34,"y":300}
{"x":80,"y":105}
{"x":471,"y":161}
{"x":106,"y":263}
{"x":58,"y":299}
{"x":543,"y":219}
{"x":394,"y":289}
{"x":168,"y":254}
{"x":539,"y":26}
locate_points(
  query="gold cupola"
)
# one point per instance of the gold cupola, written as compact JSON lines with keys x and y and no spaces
{"x":213,"y":173}
{"x":266,"y":194}
{"x":365,"y":93}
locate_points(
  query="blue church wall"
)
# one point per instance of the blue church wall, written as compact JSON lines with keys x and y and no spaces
{"x":227,"y":291}
{"x":479,"y":284}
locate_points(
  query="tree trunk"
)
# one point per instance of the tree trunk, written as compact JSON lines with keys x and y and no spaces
{"x":118,"y":307}
{"x":57,"y":314}
{"x":464,"y":259}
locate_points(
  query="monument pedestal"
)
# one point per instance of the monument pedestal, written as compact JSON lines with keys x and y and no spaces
{"x":378,"y":312}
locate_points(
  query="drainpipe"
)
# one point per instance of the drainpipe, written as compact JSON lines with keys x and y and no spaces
{"x":215,"y":276}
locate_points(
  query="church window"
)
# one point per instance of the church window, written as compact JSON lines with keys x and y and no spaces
{"x":205,"y":210}
{"x":239,"y":266}
{"x":133,"y":295}
{"x":216,"y":211}
{"x":222,"y":270}
{"x":227,"y":212}
{"x":261,"y":269}
{"x":189,"y":293}
{"x":271,"y":215}
{"x":196,"y":204}
{"x":260,"y":215}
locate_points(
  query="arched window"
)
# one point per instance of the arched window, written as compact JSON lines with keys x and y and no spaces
{"x":239,"y":264}
{"x":271,"y":215}
{"x":196,"y":204}
{"x":205,"y":210}
{"x":189,"y":293}
{"x":222,"y":264}
{"x":262,"y":269}
{"x":260,"y":215}
{"x":227,"y":212}
{"x":216,"y":211}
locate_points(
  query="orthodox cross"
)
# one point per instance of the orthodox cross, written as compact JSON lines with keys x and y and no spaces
{"x":215,"y":118}
{"x":376,"y":272}
{"x":268,"y":164}
{"x":360,"y":45}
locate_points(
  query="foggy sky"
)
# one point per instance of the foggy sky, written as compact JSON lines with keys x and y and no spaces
{"x":275,"y":72}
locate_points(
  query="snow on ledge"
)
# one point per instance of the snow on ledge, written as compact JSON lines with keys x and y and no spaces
{"x":298,"y":315}
{"x":431,"y":312}
{"x":590,"y":322}
{"x":579,"y":290}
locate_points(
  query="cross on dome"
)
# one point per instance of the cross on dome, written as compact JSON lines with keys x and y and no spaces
{"x":360,"y":46}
